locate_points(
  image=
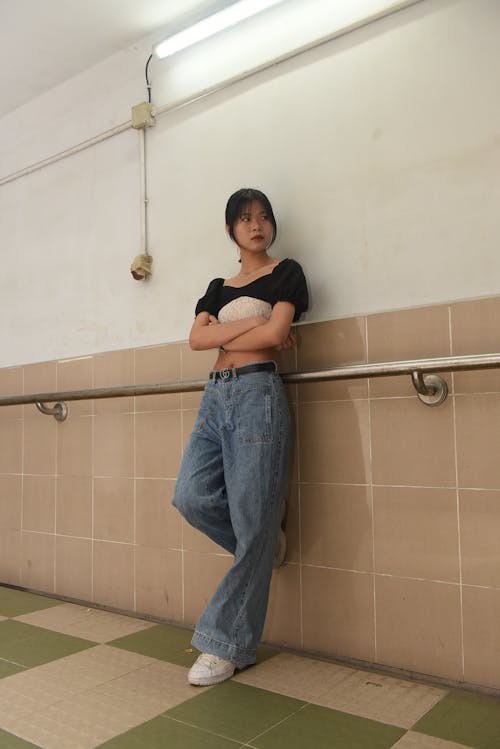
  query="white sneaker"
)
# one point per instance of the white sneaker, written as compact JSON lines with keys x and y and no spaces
{"x":210,"y":669}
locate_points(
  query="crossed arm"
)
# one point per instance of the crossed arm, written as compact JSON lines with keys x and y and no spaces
{"x":251,"y":334}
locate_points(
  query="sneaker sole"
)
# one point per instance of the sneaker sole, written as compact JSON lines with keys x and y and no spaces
{"x":208,"y":682}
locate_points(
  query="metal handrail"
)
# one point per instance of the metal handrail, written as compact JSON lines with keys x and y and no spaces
{"x":431,"y":388}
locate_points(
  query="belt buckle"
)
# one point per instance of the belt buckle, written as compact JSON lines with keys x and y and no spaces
{"x":225,"y":374}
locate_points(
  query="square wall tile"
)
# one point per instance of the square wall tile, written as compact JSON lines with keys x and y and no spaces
{"x":40,"y":377}
{"x":474,"y":331}
{"x":11,"y":445}
{"x":40,"y":444}
{"x":74,"y":567}
{"x":39,"y":503}
{"x":76,"y":374}
{"x":114,"y":369}
{"x":330,"y":344}
{"x":336,"y":526}
{"x":157,"y":444}
{"x":37,"y":561}
{"x":158,"y":582}
{"x":10,"y":556}
{"x":478,"y":441}
{"x":11,"y":383}
{"x":480,"y":381}
{"x":113,"y":573}
{"x":421,"y":333}
{"x":195,"y":365}
{"x":10,"y":502}
{"x":113,"y":447}
{"x":157,"y":522}
{"x":283,"y":620}
{"x":412,"y":444}
{"x":74,"y":506}
{"x":419,"y":626}
{"x":155,"y":364}
{"x":480,"y":539}
{"x":473,"y":326}
{"x":416,"y":532}
{"x":482,"y":636}
{"x":333,"y":442}
{"x":74,"y":446}
{"x":337,"y":613}
{"x":292,"y":523}
{"x":202,"y":575}
{"x":114,"y":510}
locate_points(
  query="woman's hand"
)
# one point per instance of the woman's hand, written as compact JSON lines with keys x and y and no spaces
{"x":208,"y":332}
{"x":289,"y":342}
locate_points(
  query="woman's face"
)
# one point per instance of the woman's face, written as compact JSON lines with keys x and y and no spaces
{"x":253,"y":230}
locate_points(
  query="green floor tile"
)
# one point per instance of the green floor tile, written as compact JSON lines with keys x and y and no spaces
{"x":31,"y":646}
{"x":17,"y":602}
{"x":8,"y":741}
{"x":162,"y":732}
{"x":234,"y":710}
{"x":7,"y":669}
{"x":322,"y":728}
{"x":469,"y":719}
{"x":164,"y":642}
{"x":169,"y":643}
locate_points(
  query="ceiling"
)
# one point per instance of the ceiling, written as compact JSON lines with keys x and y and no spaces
{"x":45,"y":42}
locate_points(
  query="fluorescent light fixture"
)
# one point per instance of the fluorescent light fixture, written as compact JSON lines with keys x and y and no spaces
{"x":211,"y":25}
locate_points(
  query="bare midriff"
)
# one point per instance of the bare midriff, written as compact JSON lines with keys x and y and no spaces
{"x":232,"y":359}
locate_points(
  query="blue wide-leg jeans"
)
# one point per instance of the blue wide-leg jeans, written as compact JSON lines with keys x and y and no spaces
{"x":231,"y":486}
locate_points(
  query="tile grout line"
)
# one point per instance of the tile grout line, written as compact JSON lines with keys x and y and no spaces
{"x":165,"y":716}
{"x":23,"y":448}
{"x":457,"y":495}
{"x":299,"y":500}
{"x":372,"y":501}
{"x":134,"y":500}
{"x":279,"y":723}
{"x":183,"y":596}
{"x":92,"y":491}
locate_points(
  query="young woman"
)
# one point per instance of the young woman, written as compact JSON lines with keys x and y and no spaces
{"x":232,"y":481}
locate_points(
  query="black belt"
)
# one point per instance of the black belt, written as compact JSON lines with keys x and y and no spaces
{"x":230,"y":374}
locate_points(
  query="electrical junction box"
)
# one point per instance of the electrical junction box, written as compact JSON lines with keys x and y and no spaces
{"x":142,"y":115}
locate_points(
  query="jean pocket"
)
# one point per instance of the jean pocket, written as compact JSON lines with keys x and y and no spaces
{"x":253,"y":414}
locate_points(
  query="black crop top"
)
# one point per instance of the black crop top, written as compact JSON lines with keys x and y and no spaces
{"x":285,"y":283}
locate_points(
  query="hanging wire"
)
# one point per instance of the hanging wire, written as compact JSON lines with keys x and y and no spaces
{"x":148,"y":84}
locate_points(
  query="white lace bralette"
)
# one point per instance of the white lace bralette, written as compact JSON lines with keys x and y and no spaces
{"x":243,"y":307}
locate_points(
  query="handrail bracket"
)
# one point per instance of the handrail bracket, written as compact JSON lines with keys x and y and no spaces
{"x":59,"y":410}
{"x":431,"y":389}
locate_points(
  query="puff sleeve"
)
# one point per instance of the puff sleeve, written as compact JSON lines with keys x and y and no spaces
{"x":291,"y":286}
{"x":210,"y":301}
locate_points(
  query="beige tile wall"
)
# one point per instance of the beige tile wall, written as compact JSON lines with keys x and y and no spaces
{"x":394,"y":509}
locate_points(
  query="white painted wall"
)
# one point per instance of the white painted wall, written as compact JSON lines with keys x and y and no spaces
{"x":380,"y":151}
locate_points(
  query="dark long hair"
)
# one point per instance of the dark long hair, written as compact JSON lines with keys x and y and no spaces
{"x":239,"y":200}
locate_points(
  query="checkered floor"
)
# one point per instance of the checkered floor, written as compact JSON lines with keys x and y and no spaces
{"x":75,"y":678}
